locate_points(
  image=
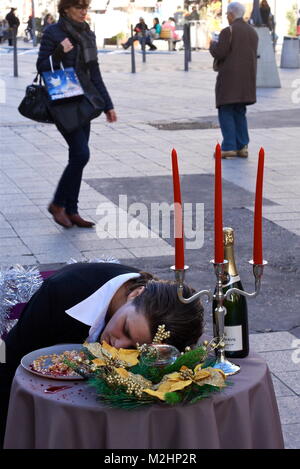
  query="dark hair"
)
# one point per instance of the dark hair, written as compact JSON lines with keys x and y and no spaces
{"x":64,"y":4}
{"x":140,"y":281}
{"x":161,"y":305}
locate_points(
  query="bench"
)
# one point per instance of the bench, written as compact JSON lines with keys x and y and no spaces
{"x":166,"y":35}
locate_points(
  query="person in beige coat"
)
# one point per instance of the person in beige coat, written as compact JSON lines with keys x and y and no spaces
{"x":236,"y":55}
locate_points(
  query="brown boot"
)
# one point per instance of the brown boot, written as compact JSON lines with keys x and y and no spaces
{"x":78,"y":221}
{"x":59,"y":215}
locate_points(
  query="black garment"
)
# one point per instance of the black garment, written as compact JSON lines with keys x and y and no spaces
{"x":29,"y":24}
{"x":44,"y":321}
{"x":82,"y":34}
{"x":194,"y":16}
{"x":50,"y":45}
{"x":13,"y":23}
{"x":67,"y":192}
{"x":12,"y":20}
{"x":141,"y":27}
{"x":142,"y":33}
{"x":265,"y":15}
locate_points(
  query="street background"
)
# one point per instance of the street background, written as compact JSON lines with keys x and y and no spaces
{"x":159,"y":108}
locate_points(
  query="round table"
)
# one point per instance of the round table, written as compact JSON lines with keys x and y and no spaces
{"x":244,"y":415}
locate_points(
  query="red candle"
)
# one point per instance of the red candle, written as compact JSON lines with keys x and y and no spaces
{"x":219,"y":249}
{"x":178,"y":223}
{"x":257,"y":241}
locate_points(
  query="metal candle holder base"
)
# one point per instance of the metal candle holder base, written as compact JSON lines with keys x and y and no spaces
{"x":219,"y":296}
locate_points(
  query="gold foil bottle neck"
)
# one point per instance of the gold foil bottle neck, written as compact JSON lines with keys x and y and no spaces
{"x":228,"y":239}
{"x":228,"y":236}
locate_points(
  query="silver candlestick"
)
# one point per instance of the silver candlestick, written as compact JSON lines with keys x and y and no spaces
{"x":219,"y":296}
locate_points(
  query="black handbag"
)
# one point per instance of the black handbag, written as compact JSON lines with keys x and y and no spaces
{"x":35,"y":104}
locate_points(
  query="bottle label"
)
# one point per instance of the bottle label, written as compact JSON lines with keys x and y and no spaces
{"x":233,"y":338}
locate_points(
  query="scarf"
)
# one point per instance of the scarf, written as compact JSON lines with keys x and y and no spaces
{"x":81,"y":33}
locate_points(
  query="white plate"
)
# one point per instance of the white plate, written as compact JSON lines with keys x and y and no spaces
{"x":57,"y":349}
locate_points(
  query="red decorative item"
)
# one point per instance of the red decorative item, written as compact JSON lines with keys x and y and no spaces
{"x":178,"y":215}
{"x":257,"y":240}
{"x":219,"y":249}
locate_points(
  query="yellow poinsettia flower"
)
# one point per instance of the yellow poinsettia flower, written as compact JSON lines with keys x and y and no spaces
{"x":179,"y":380}
{"x":168,"y":386}
{"x":122,"y":372}
{"x":198,"y":367}
{"x":216,"y":378}
{"x":137,"y":379}
{"x":170,"y":383}
{"x":99,"y":362}
{"x":129,"y":356}
{"x":201,"y":374}
{"x":104,"y":350}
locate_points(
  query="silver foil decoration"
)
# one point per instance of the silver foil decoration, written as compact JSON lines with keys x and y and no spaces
{"x":103,"y":258}
{"x":17,"y":285}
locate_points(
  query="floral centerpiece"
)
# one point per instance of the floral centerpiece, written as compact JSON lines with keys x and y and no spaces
{"x":132,"y":378}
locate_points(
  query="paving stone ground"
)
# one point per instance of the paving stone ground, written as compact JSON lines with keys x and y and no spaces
{"x":132,"y":158}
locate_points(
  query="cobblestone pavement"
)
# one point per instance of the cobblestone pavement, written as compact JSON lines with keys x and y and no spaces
{"x":134,"y":153}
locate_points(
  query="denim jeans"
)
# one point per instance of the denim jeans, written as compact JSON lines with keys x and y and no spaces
{"x":233,"y":123}
{"x":68,"y":188}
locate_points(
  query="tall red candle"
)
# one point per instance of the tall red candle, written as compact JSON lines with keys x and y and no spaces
{"x":257,"y":240}
{"x":178,"y":222}
{"x":219,"y":249}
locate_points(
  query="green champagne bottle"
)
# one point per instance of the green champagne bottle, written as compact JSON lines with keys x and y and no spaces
{"x":236,"y":333}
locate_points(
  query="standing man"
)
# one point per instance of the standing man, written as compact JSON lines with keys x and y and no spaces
{"x":236,"y":57}
{"x":13,"y":24}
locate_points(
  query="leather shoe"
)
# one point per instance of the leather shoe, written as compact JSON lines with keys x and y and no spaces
{"x":243,"y":152}
{"x":229,"y":154}
{"x":59,"y":215}
{"x":78,"y":221}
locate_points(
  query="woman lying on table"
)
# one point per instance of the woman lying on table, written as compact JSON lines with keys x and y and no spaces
{"x":95,"y":302}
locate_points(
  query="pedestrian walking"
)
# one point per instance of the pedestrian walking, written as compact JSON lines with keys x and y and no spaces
{"x":71,"y":42}
{"x":235,"y":56}
{"x":265,"y":13}
{"x":29,"y":29}
{"x":48,"y":20}
{"x":13,"y":24}
{"x":3,"y":30}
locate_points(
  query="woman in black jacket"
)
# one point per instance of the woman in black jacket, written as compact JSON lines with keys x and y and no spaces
{"x":95,"y":302}
{"x":72,"y":43}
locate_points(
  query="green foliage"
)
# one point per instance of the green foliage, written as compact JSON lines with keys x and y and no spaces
{"x":155,"y":373}
{"x":118,"y":397}
{"x":173,"y":398}
{"x":292,"y":19}
{"x":189,"y":359}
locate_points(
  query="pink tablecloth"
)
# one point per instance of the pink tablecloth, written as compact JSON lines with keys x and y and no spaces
{"x":244,"y":415}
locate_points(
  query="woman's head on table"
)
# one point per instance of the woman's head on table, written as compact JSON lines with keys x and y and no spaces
{"x":141,"y":305}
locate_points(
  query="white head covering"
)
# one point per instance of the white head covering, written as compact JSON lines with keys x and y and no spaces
{"x":92,"y":310}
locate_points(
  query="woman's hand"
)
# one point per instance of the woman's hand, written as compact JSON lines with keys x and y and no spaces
{"x":111,"y":115}
{"x":67,"y":45}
